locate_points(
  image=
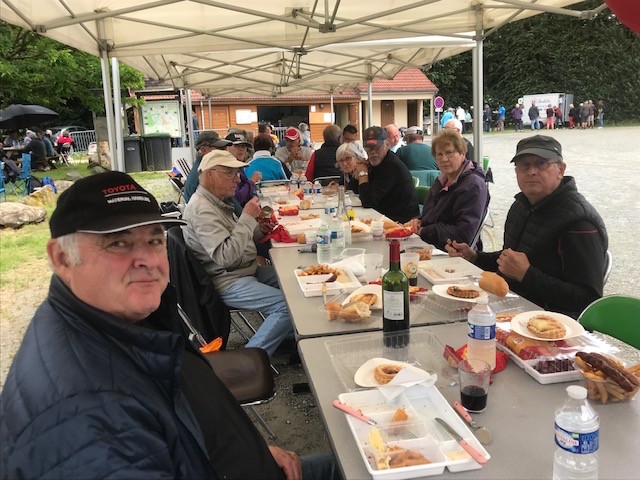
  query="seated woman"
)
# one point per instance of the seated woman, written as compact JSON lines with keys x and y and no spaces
{"x":347,"y":155}
{"x":456,"y":204}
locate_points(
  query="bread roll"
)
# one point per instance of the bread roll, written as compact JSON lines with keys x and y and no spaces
{"x":387,"y":224}
{"x":302,"y":238}
{"x":305,"y":204}
{"x":493,"y":283}
{"x":355,"y":312}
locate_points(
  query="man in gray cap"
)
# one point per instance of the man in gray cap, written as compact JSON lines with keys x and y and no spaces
{"x":224,"y":244}
{"x":208,"y":141}
{"x":555,"y":242}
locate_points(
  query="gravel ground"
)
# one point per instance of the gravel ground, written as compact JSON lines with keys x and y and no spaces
{"x":605,"y":165}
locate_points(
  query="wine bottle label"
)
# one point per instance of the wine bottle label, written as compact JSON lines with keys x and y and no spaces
{"x":393,"y":305}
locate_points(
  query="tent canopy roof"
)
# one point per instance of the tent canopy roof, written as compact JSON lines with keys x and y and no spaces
{"x":275,"y":47}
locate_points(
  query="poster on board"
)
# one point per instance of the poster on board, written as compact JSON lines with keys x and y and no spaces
{"x":161,"y":117}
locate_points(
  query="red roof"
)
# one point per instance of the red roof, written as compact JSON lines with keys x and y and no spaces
{"x":406,"y":80}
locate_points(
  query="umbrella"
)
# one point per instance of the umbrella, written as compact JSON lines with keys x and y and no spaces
{"x":22,"y":116}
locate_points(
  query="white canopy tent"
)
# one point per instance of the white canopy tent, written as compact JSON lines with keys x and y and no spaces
{"x":275,"y":47}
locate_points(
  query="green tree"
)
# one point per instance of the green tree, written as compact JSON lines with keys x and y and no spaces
{"x":593,"y":59}
{"x":38,"y":70}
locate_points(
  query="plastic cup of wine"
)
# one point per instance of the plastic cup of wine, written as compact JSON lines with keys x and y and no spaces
{"x":474,"y":384}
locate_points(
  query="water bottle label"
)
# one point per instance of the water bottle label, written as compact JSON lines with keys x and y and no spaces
{"x":393,"y":305}
{"x":582,"y":443}
{"x":323,"y":239}
{"x":481,"y":332}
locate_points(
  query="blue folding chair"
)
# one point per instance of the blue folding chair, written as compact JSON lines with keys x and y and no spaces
{"x":3,"y":194}
{"x":22,"y":184}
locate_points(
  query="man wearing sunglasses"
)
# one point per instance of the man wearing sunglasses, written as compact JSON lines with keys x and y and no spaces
{"x":555,"y":242}
{"x":224,"y":243}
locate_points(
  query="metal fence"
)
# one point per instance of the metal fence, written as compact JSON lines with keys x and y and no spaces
{"x":82,"y":140}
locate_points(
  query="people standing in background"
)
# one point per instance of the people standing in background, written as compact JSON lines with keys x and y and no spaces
{"x":592,"y":114}
{"x":600,"y":114}
{"x":468,"y":122}
{"x":534,"y":113}
{"x":502,"y":115}
{"x":572,"y":115}
{"x":551,"y":115}
{"x":448,"y":115}
{"x":584,"y":114}
{"x":461,"y":115}
{"x":516,"y":114}
{"x":486,"y":117}
{"x":558,"y":114}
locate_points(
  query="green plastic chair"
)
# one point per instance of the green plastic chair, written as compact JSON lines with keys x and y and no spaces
{"x":421,"y":193}
{"x":416,"y":182}
{"x":617,"y":316}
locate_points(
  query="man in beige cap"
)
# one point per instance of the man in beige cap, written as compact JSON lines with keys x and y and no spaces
{"x":224,"y":244}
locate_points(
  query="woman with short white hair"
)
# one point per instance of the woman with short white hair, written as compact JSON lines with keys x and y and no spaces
{"x":347,"y":155}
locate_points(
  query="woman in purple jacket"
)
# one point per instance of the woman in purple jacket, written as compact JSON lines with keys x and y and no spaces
{"x":457,"y":201}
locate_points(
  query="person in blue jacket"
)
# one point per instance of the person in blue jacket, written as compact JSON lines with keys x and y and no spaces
{"x":106,"y":383}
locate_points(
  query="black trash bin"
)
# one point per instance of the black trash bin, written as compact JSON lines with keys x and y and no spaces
{"x":157,"y":151}
{"x":132,"y":154}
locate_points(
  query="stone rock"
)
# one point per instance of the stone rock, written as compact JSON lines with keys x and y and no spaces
{"x":15,"y":215}
{"x":43,"y":197}
{"x":72,"y":176}
{"x":62,"y":185}
{"x":97,"y":169}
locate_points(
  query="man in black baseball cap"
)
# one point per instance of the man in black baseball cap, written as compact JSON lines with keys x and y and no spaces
{"x":208,"y":141}
{"x":384,"y":182}
{"x":555,"y":242}
{"x":105,"y":370}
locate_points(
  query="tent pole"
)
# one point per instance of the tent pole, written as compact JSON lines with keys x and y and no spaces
{"x":210,"y":118}
{"x":117,"y":110}
{"x":478,"y":86}
{"x":333,"y":117}
{"x":108,"y":106}
{"x":192,"y":138}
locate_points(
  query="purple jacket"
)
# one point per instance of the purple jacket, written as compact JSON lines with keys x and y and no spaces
{"x":455,"y":212}
{"x":245,"y":190}
{"x":516,"y":113}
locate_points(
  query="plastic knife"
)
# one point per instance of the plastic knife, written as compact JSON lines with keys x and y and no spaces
{"x":477,"y":456}
{"x":353,"y":412}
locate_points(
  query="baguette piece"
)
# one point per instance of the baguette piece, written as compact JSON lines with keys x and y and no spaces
{"x":493,"y":283}
{"x":355,"y":312}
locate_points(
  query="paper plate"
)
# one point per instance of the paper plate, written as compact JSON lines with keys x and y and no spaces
{"x":364,"y":375}
{"x":519,"y":325}
{"x":377,"y":289}
{"x":441,"y":290}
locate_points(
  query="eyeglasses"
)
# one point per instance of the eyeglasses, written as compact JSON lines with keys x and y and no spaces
{"x":369,"y":148}
{"x":449,"y":154}
{"x":228,"y":173}
{"x":346,"y":160}
{"x":539,"y":165}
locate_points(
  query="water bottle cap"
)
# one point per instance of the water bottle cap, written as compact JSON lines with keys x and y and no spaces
{"x":577,"y":392}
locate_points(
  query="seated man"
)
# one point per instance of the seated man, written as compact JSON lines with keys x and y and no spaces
{"x":224,"y":244}
{"x":384,"y":182}
{"x":294,"y":156}
{"x":323,"y":161}
{"x":262,"y":162}
{"x":207,"y":142}
{"x":349,"y":134}
{"x":38,"y":150}
{"x":455,"y":124}
{"x":555,"y":242}
{"x":416,"y":154}
{"x":105,"y":383}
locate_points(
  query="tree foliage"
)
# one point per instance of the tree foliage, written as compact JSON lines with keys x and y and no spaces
{"x":593,"y":59}
{"x":38,"y":70}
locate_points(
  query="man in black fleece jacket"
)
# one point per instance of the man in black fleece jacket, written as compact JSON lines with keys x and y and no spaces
{"x":555,"y":242}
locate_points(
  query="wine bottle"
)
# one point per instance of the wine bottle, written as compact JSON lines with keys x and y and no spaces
{"x":395,"y":301}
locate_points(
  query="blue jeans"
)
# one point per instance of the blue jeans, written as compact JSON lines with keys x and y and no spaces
{"x":320,"y":466}
{"x":534,"y":124}
{"x":601,"y":120}
{"x":262,"y":292}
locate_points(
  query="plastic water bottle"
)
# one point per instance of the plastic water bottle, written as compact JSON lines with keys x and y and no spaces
{"x":481,"y":331}
{"x":317,"y":188}
{"x":337,"y":236}
{"x":295,"y":182}
{"x":302,"y":180}
{"x":329,"y":210}
{"x":307,"y":188}
{"x":323,"y":243}
{"x":348,"y":206}
{"x":577,"y":438}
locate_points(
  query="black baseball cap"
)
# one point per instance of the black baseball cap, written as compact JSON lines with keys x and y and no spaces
{"x":237,"y":139}
{"x":540,"y":145}
{"x":105,"y":203}
{"x":209,"y":138}
{"x":374,"y":136}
